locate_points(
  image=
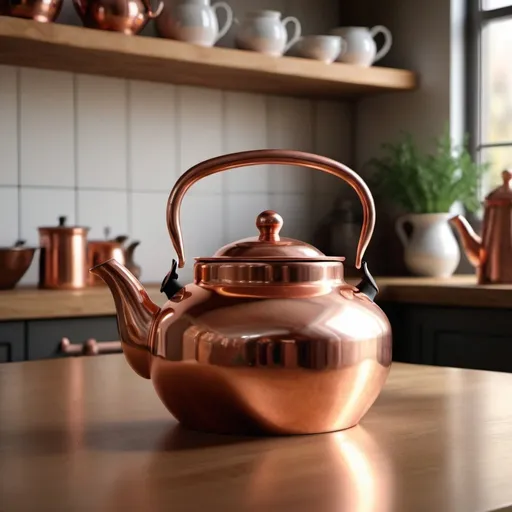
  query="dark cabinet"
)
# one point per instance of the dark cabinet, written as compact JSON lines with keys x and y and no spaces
{"x":475,"y":338}
{"x":44,"y":336}
{"x":12,"y":342}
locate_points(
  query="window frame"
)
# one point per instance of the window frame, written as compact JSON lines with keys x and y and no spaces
{"x":477,"y":19}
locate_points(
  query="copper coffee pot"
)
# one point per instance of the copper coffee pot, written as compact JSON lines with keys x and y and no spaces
{"x":126,"y":16}
{"x":128,"y":255}
{"x":38,"y":10}
{"x":491,"y":254}
{"x":99,"y":251}
{"x":62,"y":257}
{"x":269,"y":338}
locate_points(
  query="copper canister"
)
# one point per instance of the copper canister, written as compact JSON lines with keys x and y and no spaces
{"x":62,"y":259}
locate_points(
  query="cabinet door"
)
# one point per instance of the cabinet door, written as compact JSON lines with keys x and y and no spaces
{"x":466,"y":337}
{"x":12,"y":342}
{"x":45,"y":336}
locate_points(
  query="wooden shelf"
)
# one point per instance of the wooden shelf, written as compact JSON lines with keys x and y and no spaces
{"x":69,"y":48}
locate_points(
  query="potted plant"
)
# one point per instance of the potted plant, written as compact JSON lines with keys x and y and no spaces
{"x":426,"y":186}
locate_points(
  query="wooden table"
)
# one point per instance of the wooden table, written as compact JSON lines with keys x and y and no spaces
{"x":87,"y":434}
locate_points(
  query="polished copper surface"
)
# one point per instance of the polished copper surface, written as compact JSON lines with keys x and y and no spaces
{"x":269,"y":338}
{"x":491,"y":254}
{"x":269,"y":156}
{"x":14,"y":262}
{"x":126,"y":16}
{"x":62,"y":258}
{"x":39,"y":10}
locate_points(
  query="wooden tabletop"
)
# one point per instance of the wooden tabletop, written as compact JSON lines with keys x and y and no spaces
{"x":87,"y":434}
{"x":30,"y":303}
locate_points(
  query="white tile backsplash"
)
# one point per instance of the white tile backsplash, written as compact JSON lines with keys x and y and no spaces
{"x":100,"y":209}
{"x":9,"y":231}
{"x":46,"y":128}
{"x":153,"y":136}
{"x":245,"y":128}
{"x":201,"y":121}
{"x":42,"y":207}
{"x":290,"y":127}
{"x":101,"y":132}
{"x":8,"y":126}
{"x":106,"y":152}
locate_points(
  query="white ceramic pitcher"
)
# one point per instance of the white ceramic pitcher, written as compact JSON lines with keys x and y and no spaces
{"x":431,"y":249}
{"x":361,"y":47}
{"x":194,"y":21}
{"x":265,"y":32}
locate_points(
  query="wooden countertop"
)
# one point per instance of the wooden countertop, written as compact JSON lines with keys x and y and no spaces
{"x":29,"y":303}
{"x":87,"y":434}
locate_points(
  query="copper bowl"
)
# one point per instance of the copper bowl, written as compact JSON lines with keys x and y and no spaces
{"x":14,"y":262}
{"x":44,"y":11}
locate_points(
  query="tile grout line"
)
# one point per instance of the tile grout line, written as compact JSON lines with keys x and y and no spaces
{"x":75,"y":146}
{"x":128,"y":163}
{"x":18,"y":146}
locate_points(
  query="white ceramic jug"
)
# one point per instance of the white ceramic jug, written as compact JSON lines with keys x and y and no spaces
{"x":265,"y":32}
{"x":431,"y":249}
{"x":361,"y":47}
{"x":194,"y":21}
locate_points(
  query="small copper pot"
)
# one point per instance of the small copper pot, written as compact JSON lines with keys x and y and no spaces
{"x":99,"y":251}
{"x":62,"y":259}
{"x":14,"y":262}
{"x":44,"y":11}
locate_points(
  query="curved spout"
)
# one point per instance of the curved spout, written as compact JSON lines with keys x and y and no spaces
{"x":471,"y":242}
{"x":135,"y":310}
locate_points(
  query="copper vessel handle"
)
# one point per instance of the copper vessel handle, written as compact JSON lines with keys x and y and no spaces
{"x":269,"y":156}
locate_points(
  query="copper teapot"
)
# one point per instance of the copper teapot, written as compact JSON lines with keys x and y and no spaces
{"x":126,"y":16}
{"x":269,"y":338}
{"x":491,"y":254}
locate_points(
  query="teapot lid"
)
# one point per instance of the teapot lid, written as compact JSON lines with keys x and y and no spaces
{"x":503,"y":193}
{"x":268,"y":258}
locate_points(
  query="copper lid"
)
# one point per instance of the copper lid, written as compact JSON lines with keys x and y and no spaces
{"x":268,"y":258}
{"x":503,"y":193}
{"x":63,"y":229}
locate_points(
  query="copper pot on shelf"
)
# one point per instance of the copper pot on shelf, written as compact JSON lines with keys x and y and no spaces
{"x":491,"y":253}
{"x":269,"y":338}
{"x":62,"y":257}
{"x":44,"y":11}
{"x":126,"y":16}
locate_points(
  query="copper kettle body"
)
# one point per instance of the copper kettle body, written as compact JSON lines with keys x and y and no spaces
{"x":269,"y":338}
{"x":491,"y":253}
{"x":126,"y":16}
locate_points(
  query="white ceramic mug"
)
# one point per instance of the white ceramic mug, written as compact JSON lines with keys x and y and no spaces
{"x":194,"y":21}
{"x":323,"y":48}
{"x":361,"y":47}
{"x":265,"y":32}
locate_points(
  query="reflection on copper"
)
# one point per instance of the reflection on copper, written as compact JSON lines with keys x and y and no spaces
{"x":126,"y":16}
{"x":43,"y":11}
{"x":269,"y":338}
{"x":491,"y":253}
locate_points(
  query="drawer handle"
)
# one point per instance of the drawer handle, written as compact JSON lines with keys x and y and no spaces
{"x":90,"y":348}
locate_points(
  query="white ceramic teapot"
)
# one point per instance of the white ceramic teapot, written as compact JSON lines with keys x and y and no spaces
{"x":361,"y":48}
{"x":194,"y":21}
{"x":265,"y":32}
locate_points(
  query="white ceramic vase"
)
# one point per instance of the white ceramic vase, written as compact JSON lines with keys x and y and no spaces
{"x":431,"y":249}
{"x":194,"y":21}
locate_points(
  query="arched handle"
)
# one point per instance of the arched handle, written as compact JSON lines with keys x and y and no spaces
{"x":268,"y":156}
{"x":229,"y":18}
{"x":296,"y":33}
{"x":388,"y":41}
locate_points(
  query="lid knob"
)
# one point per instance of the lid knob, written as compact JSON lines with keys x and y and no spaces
{"x":269,"y":224}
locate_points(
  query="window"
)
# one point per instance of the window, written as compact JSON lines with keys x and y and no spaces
{"x":490,"y":84}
